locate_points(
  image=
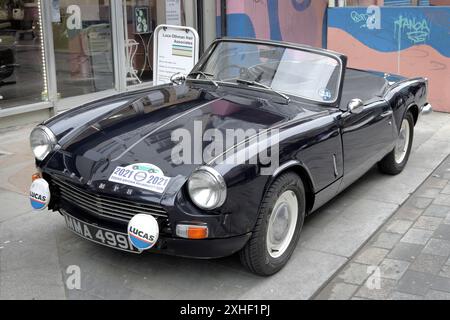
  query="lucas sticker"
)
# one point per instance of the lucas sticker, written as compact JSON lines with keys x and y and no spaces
{"x":143,"y":231}
{"x":39,"y":195}
{"x":142,"y":175}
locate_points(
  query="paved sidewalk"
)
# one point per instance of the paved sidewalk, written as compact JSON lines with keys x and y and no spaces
{"x":36,"y":249}
{"x":411,"y":252}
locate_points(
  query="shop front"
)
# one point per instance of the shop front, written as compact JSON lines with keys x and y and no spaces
{"x":57,"y":54}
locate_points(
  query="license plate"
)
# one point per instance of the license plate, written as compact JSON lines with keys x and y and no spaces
{"x":105,"y":237}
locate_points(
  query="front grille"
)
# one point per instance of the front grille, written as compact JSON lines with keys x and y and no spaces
{"x":105,"y":206}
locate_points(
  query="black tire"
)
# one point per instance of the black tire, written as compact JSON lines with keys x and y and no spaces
{"x":255,"y":255}
{"x":389,"y":165}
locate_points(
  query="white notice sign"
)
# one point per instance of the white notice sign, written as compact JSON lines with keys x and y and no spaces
{"x":176,"y":51}
{"x":173,"y":12}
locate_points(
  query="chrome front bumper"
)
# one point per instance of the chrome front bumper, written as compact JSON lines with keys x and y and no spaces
{"x":426,"y":109}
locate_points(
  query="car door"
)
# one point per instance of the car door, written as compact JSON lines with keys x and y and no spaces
{"x":367,"y":136}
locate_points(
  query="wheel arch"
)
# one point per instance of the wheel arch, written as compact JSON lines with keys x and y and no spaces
{"x":304,"y":174}
{"x":414,"y":109}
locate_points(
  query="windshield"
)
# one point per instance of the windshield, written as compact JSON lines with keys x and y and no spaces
{"x":296,"y":72}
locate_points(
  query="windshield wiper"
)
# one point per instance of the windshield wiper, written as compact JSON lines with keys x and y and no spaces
{"x":207,"y":76}
{"x":258,"y":84}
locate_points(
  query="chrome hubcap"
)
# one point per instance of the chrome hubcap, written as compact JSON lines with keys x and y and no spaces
{"x":282,"y":223}
{"x":402,"y":146}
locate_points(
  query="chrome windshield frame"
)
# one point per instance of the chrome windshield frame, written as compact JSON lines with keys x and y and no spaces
{"x":341,"y":60}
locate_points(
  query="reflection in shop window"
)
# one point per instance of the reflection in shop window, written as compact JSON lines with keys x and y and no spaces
{"x":82,"y":39}
{"x":142,"y":18}
{"x":22,"y":73}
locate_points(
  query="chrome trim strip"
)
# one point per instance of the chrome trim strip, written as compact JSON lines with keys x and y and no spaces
{"x":285,"y":166}
{"x":387,"y":114}
{"x":336,"y":170}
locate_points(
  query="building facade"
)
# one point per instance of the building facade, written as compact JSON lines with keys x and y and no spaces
{"x":57,"y":54}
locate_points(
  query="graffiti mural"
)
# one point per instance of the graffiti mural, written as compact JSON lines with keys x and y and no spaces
{"x":299,"y":21}
{"x":411,"y":41}
{"x":416,"y":31}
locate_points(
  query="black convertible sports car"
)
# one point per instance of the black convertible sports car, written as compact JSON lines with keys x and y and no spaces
{"x":228,"y":159}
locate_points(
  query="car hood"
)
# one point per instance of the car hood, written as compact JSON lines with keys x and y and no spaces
{"x":141,"y":130}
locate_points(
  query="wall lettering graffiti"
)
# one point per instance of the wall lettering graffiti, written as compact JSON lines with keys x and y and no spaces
{"x":416,"y":31}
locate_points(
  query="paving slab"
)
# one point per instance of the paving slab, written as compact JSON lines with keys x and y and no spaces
{"x":417,"y":236}
{"x":418,"y":264}
{"x":406,"y":251}
{"x":371,"y":256}
{"x":339,"y":291}
{"x":428,"y":263}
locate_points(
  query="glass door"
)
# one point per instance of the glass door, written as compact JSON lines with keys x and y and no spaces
{"x":141,"y":17}
{"x":22,"y":67}
{"x":83,"y":50}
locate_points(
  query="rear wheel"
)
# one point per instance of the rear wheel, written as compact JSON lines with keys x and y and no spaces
{"x":395,"y":162}
{"x":277,"y":231}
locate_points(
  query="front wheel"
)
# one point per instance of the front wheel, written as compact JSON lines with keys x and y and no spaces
{"x":277,"y":231}
{"x":395,"y":162}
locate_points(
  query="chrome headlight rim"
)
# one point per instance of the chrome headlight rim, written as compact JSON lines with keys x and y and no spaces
{"x":50,"y":137}
{"x":220,"y":183}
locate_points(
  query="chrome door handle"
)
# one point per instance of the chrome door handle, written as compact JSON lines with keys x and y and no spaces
{"x":387,"y":114}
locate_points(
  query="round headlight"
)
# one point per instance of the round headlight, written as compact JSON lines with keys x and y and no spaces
{"x":42,"y":141}
{"x":207,"y":188}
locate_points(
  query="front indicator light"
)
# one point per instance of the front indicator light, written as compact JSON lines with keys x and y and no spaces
{"x":192,"y":232}
{"x":35,"y":177}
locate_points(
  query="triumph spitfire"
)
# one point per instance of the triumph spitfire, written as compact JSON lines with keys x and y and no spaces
{"x":109,"y":168}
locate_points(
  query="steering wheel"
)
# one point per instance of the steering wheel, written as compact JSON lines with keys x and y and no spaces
{"x":242,"y":70}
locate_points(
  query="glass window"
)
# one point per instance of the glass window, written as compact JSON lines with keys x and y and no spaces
{"x":310,"y":75}
{"x":141,"y":19}
{"x":21,"y":52}
{"x":82,"y":40}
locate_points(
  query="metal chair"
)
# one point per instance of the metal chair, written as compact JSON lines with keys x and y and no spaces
{"x":132,"y":47}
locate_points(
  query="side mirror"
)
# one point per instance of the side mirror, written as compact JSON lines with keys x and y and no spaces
{"x":178,"y":78}
{"x":356,"y":106}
